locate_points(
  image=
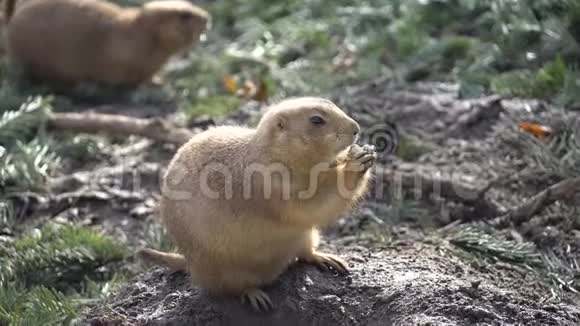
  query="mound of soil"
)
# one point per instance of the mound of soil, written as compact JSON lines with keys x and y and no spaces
{"x":396,"y":286}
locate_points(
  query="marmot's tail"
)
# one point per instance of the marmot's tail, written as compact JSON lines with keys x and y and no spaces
{"x":174,"y":261}
{"x":9,"y":6}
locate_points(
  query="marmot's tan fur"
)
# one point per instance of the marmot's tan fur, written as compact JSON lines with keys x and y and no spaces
{"x":97,"y":41}
{"x":235,"y":243}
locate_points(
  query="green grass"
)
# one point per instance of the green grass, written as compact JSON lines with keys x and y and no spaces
{"x":156,"y":236}
{"x":318,"y":46}
{"x":211,"y":106}
{"x":546,"y":82}
{"x":36,"y":306}
{"x":26,"y":160}
{"x":480,"y":245}
{"x":301,"y":47}
{"x":59,"y":257}
{"x":44,"y":275}
{"x":410,"y":148}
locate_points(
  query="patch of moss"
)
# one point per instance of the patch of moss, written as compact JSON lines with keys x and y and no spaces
{"x":409,"y":36}
{"x":214,"y":106}
{"x":410,"y":148}
{"x":547,"y":81}
{"x":455,"y":49}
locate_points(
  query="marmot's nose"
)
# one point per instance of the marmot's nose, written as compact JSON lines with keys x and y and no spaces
{"x":355,"y":131}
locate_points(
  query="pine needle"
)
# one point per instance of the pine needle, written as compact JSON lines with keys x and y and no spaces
{"x":18,"y":125}
{"x":37,"y":271}
{"x":60,"y":257}
{"x":27,"y":166}
{"x":559,"y":268}
{"x":488,"y":243}
{"x":25,"y":161}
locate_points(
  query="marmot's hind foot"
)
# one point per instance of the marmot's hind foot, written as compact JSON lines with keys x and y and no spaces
{"x":258,"y":299}
{"x":326,"y":262}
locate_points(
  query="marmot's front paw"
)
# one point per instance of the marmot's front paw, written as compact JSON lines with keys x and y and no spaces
{"x":361,"y":158}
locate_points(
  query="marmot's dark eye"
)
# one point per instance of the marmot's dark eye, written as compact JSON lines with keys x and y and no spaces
{"x":317,"y":120}
{"x":186,"y":16}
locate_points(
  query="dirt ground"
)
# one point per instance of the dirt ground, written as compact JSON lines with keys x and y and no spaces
{"x":403,"y":285}
{"x":402,"y":272}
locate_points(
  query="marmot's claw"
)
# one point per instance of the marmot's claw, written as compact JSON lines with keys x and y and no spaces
{"x":326,"y":262}
{"x":258,"y":299}
{"x":357,"y":150}
{"x":368,"y":160}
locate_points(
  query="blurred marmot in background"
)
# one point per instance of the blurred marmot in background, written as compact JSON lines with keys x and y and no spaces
{"x":73,"y":41}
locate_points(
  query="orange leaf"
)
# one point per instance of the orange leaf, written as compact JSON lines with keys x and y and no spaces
{"x":230,"y":84}
{"x":535,"y":129}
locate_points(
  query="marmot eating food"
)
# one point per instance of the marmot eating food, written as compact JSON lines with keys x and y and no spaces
{"x":71,"y":41}
{"x":242,"y":204}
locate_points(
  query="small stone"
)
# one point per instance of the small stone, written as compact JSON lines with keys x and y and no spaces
{"x":329,"y":298}
{"x":475,"y":284}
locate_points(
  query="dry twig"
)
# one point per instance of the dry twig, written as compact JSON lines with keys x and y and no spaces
{"x":90,"y":122}
{"x":564,"y":190}
{"x":425,"y":181}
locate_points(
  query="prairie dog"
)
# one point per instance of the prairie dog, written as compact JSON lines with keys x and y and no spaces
{"x":232,"y":237}
{"x":71,"y":41}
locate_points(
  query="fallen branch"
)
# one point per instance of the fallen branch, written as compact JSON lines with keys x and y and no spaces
{"x":426,"y":181}
{"x":564,"y":190}
{"x":90,"y":122}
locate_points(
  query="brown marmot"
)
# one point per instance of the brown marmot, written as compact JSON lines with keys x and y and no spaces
{"x":71,"y":41}
{"x":242,"y":204}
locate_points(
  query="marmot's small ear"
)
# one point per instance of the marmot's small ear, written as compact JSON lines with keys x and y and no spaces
{"x":282,"y":123}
